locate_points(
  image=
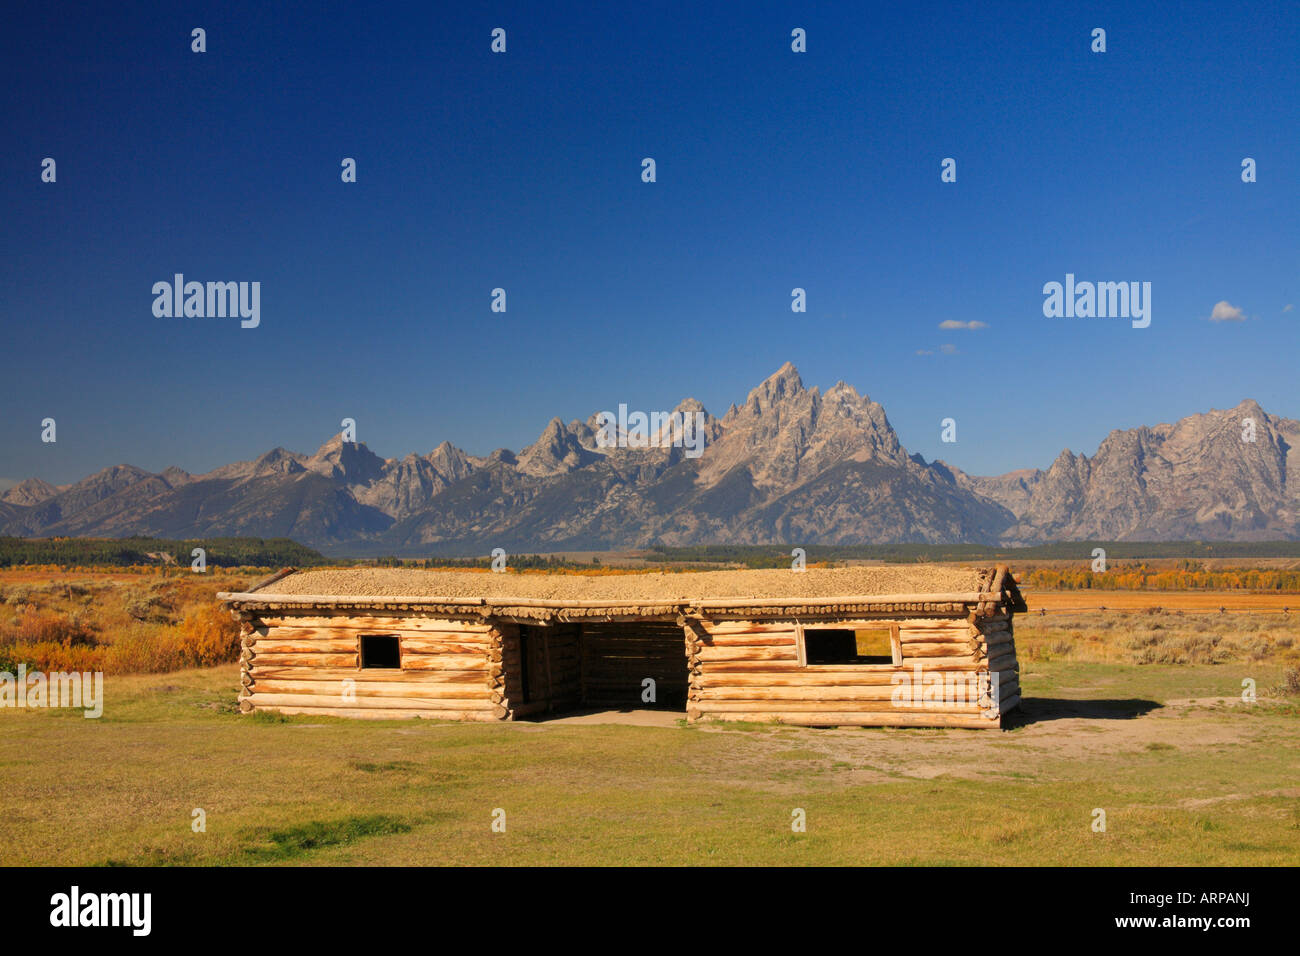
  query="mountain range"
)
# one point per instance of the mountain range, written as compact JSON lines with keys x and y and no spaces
{"x":791,"y":465}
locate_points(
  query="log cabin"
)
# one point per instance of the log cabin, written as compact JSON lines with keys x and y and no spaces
{"x":919,"y":646}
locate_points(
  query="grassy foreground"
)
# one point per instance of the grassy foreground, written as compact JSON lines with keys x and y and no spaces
{"x":1186,"y":772}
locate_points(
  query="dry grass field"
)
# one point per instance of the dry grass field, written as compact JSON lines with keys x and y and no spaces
{"x":1185,"y":771}
{"x":1138,"y":713}
{"x":115,"y":621}
{"x":1185,"y":601}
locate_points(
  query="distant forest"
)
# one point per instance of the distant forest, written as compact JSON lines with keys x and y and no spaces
{"x":124,"y":552}
{"x":284,"y":552}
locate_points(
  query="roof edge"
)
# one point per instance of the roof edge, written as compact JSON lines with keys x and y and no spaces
{"x":933,"y":597}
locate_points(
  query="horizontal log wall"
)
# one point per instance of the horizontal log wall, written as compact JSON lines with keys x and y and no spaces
{"x":309,"y":664}
{"x":750,"y":670}
{"x":728,"y":670}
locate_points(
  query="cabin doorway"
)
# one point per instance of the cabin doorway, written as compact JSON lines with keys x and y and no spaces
{"x":638,"y":665}
{"x":618,"y":666}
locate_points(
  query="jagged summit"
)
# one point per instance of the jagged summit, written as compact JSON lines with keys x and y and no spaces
{"x":791,"y":463}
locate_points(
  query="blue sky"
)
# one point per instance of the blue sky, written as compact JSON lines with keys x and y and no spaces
{"x":775,"y":170}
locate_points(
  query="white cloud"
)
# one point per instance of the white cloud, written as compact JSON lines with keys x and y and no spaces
{"x":925,"y":351}
{"x":1289,"y":307}
{"x":947,"y":349}
{"x":955,"y":324}
{"x":1227,"y":312}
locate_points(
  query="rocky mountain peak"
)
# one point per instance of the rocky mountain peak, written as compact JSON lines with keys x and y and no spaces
{"x":557,"y":451}
{"x":790,"y":464}
{"x":450,"y":462}
{"x":776,"y":389}
{"x":350,"y":462}
{"x":277,"y":461}
{"x":175,"y":476}
{"x":30,"y":492}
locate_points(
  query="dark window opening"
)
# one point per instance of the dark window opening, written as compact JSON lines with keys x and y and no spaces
{"x":846,"y":646}
{"x":381,"y":650}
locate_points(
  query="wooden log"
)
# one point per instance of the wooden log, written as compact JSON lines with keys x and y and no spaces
{"x":917,"y":649}
{"x":403,"y":689}
{"x":271,"y":578}
{"x":382,"y":713}
{"x":271,"y":645}
{"x":803,"y":678}
{"x":1008,"y":692}
{"x":380,"y":703}
{"x":379,"y":674}
{"x":378,"y":624}
{"x":839,"y":706}
{"x":412,"y":645}
{"x":1005,"y":661}
{"x":859,"y":719}
{"x":769,"y":639}
{"x":745,"y":628}
{"x":335,"y":600}
{"x":719,"y":654}
{"x":868,"y":693}
{"x":958,"y":631}
{"x":777,"y":667}
{"x":450,"y":662}
{"x":954,"y":662}
{"x":304,"y":660}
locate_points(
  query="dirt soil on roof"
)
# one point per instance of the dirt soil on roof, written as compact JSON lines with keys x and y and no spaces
{"x":655,"y":586}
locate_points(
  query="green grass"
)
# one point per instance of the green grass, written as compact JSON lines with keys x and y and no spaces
{"x":1206,"y":783}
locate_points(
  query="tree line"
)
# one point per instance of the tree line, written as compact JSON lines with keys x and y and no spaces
{"x":124,"y":552}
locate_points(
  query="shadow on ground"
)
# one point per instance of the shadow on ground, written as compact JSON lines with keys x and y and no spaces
{"x":631,"y":717}
{"x":1037,"y":710}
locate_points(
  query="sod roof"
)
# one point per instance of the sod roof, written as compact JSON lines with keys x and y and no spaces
{"x":631,"y":589}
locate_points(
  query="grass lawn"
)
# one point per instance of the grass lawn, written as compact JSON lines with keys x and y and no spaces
{"x":1186,"y":773}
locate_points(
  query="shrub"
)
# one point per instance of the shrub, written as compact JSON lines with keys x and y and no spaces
{"x":11,"y":657}
{"x":40,"y":626}
{"x":208,"y":635}
{"x":149,"y":608}
{"x":140,"y":652}
{"x":48,"y":657}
